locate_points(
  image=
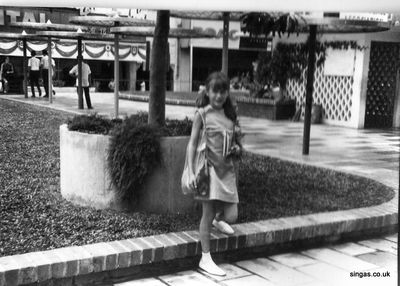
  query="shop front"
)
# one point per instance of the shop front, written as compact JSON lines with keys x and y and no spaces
{"x":99,"y":55}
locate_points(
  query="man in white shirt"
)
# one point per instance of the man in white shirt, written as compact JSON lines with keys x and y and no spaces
{"x":85,"y":81}
{"x":44,"y":64}
{"x":34,"y":73}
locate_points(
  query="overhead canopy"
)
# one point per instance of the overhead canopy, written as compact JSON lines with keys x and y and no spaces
{"x":76,"y":35}
{"x":104,"y":21}
{"x":47,"y":26}
{"x":17,"y":36}
{"x":173,"y":32}
{"x":205,"y":15}
{"x":325,"y":24}
{"x":335,"y":25}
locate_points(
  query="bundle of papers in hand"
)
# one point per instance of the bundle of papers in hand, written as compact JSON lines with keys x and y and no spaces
{"x":228,"y":138}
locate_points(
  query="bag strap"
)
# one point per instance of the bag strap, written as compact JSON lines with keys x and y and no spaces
{"x":202,"y":113}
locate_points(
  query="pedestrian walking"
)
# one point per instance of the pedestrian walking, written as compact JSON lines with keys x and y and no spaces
{"x":6,"y":70}
{"x":44,"y":65}
{"x":34,"y":73}
{"x":85,"y":81}
{"x":216,"y":120}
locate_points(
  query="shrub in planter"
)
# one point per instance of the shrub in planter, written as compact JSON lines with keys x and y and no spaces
{"x":134,"y":151}
{"x":92,"y":124}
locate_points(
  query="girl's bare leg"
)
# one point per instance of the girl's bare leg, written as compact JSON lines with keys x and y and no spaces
{"x":206,"y":263}
{"x":205,"y":225}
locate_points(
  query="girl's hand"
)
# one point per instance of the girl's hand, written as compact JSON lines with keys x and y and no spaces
{"x":192,"y":181}
{"x":235,"y":150}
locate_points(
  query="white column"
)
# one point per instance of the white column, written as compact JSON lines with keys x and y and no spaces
{"x":360,"y":81}
{"x":396,"y":111}
{"x":133,"y":67}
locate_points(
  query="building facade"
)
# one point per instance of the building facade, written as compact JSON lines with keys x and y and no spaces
{"x":357,"y":87}
{"x":98,"y":54}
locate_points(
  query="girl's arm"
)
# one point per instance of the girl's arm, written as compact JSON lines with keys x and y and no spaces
{"x":192,"y":145}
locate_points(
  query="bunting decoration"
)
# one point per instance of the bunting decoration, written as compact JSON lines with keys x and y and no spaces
{"x":68,"y":49}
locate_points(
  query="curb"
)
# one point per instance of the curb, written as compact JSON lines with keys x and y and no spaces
{"x":145,"y":98}
{"x":76,"y":262}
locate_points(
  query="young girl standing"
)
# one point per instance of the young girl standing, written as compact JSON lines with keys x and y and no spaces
{"x":218,"y":116}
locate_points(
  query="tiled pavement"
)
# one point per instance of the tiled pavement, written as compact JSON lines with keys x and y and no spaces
{"x":331,"y":265}
{"x":371,"y":153}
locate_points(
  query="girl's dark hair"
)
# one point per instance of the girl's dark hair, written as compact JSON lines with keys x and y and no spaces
{"x":218,"y":81}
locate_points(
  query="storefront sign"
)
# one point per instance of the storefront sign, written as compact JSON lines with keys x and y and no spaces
{"x":33,"y":15}
{"x":255,"y":43}
{"x":376,"y":17}
{"x":132,"y":13}
{"x":12,"y":16}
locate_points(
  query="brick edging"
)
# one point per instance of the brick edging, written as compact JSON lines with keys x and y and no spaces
{"x":191,"y":102}
{"x":145,"y":98}
{"x":108,"y":256}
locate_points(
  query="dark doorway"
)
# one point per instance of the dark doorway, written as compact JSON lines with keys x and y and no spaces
{"x":206,"y":61}
{"x":381,"y":88}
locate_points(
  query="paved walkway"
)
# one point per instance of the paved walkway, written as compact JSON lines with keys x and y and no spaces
{"x":336,"y":265}
{"x":371,"y":153}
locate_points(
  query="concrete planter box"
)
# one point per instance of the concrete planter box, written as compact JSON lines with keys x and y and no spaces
{"x":266,"y":108}
{"x":85,"y":180}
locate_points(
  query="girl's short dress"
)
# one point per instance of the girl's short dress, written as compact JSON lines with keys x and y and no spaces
{"x":219,"y":133}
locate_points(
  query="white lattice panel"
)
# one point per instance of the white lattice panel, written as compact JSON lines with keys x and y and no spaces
{"x":334,"y":93}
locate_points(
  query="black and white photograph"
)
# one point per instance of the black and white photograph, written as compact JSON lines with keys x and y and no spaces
{"x":199,"y":143}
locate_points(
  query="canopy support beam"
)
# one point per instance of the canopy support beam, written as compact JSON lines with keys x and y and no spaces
{"x":116,"y":73}
{"x":50,"y":73}
{"x":25,"y":68}
{"x":80,"y":90}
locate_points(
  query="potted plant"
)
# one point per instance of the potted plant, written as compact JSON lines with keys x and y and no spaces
{"x":125,"y":164}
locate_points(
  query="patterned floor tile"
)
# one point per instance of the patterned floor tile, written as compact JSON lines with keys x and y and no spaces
{"x":275,"y":272}
{"x":382,"y":259}
{"x":142,"y":282}
{"x":381,"y":244}
{"x":393,"y":237}
{"x":252,"y":280}
{"x":326,"y":273}
{"x":232,"y":272}
{"x":293,"y":259}
{"x":339,"y":260}
{"x":185,"y":278}
{"x":352,"y":249}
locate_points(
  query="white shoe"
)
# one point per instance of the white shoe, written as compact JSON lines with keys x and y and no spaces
{"x":208,"y":265}
{"x":223,"y":226}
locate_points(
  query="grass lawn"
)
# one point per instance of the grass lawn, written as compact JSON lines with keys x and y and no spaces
{"x":34,"y":216}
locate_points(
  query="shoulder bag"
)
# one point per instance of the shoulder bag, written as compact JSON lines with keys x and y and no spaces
{"x":200,"y":165}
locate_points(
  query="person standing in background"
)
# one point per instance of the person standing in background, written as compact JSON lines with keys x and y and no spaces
{"x":44,"y":65}
{"x":6,"y":70}
{"x":34,"y":73}
{"x":85,"y":81}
